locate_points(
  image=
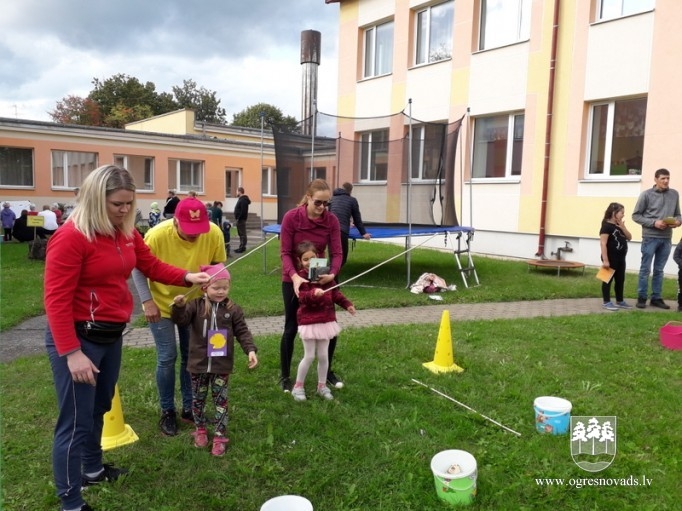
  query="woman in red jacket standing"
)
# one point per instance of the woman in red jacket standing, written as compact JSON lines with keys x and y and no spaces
{"x":88,"y":304}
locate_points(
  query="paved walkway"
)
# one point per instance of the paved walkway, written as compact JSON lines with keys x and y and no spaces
{"x":27,"y":338}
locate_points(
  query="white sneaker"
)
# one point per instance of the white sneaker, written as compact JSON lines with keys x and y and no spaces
{"x":325,"y":393}
{"x":298,"y":393}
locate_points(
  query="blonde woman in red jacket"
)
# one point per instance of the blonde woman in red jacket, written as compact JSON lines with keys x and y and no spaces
{"x":88,"y":304}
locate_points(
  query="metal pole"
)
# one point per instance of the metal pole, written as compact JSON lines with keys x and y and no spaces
{"x":312,"y":141}
{"x":409,"y":193}
{"x":262,"y":232}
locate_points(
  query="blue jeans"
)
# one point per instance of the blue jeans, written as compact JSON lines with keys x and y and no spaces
{"x":78,"y":431}
{"x":166,"y":356}
{"x":658,"y":251}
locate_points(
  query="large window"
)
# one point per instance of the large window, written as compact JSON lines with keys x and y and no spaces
{"x":427,"y":144}
{"x":616,"y":138}
{"x":434,"y":33}
{"x":610,"y":9}
{"x":498,"y":146}
{"x":69,"y":168}
{"x":374,"y":156}
{"x":16,"y":166}
{"x":269,"y":181}
{"x":186,"y":175}
{"x":141,"y":167}
{"x":504,"y":22}
{"x":379,"y":50}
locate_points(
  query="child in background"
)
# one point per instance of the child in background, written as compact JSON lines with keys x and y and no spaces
{"x":214,"y":322}
{"x":226,"y":235}
{"x":154,"y":214}
{"x":677,"y":257}
{"x":614,"y":237}
{"x":316,"y":323}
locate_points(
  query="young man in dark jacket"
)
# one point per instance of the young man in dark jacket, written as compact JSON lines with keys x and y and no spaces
{"x":241,"y":213}
{"x":346,"y":207}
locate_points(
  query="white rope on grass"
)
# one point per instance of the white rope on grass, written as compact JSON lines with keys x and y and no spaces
{"x":467,"y":407}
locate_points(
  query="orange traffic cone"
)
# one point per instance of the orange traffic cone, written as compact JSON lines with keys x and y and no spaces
{"x":443,"y":360}
{"x":115,"y":432}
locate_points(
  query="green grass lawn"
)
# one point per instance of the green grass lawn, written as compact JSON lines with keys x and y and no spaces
{"x":370,"y":448}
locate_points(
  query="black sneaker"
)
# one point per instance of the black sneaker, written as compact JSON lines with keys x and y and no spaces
{"x":168,"y":423}
{"x":108,"y":475}
{"x":333,"y":380}
{"x":187,"y":416}
{"x":641,"y":303}
{"x":285,"y":384}
{"x":657,"y":302}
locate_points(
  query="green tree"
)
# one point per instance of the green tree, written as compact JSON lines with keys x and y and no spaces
{"x":203,"y":101}
{"x":121,"y":97}
{"x":251,"y":117}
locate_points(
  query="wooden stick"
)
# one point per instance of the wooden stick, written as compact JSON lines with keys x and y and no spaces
{"x":467,"y":407}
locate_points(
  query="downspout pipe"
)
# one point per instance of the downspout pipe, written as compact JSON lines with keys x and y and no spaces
{"x":548,"y":133}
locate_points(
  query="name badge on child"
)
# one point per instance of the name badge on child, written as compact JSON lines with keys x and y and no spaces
{"x":217,"y":343}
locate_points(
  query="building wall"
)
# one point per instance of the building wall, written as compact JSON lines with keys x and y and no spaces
{"x":218,"y":155}
{"x":622,"y":58}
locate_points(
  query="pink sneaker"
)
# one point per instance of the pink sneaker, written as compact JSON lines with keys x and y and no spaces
{"x":200,"y":437}
{"x":219,"y":445}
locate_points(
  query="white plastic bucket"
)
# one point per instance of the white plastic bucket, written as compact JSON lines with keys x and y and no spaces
{"x":455,"y":488}
{"x":552,"y":415}
{"x":287,"y":503}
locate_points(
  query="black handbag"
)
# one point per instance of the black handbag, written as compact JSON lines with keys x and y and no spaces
{"x":100,"y":332}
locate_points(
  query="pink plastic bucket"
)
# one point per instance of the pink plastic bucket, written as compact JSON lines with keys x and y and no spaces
{"x":671,"y":335}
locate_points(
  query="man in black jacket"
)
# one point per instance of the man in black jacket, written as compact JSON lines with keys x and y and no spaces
{"x":346,"y":207}
{"x":171,"y":203}
{"x":241,"y":213}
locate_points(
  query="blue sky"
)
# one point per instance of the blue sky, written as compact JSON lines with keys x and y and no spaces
{"x":246,"y":51}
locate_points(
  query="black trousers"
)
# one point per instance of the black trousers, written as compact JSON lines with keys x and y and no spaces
{"x":286,"y":344}
{"x":241,"y":231}
{"x":617,"y":263}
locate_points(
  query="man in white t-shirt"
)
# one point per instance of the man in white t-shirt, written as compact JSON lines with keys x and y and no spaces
{"x":50,"y":220}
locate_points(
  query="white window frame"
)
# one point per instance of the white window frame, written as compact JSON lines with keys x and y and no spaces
{"x":269,"y":181}
{"x":418,"y":147}
{"x":368,"y":161}
{"x":141,"y":167}
{"x":378,"y":50}
{"x":510,"y":154}
{"x":177,"y":169}
{"x":423,"y":51}
{"x":17,"y":167}
{"x":504,"y":22}
{"x":605,"y":171}
{"x":72,"y":170}
{"x":613,"y":9}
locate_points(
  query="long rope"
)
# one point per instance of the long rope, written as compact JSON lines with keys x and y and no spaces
{"x":467,"y":407}
{"x":381,"y":263}
{"x":197,"y":286}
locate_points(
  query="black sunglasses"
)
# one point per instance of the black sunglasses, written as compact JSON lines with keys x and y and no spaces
{"x":319,"y":203}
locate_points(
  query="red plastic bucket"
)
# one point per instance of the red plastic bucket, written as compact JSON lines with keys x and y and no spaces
{"x":671,"y":335}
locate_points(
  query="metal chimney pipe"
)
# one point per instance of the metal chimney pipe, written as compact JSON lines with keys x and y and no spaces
{"x":310,"y":60}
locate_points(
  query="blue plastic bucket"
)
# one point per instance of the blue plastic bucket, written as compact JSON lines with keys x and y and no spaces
{"x":454,"y":475}
{"x":552,"y":415}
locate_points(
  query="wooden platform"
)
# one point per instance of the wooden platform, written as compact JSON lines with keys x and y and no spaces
{"x":555,"y":263}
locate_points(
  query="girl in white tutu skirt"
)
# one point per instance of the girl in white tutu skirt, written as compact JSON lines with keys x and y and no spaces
{"x":316,"y":323}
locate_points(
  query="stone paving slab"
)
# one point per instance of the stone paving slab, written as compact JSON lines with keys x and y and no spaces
{"x":27,"y":338}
